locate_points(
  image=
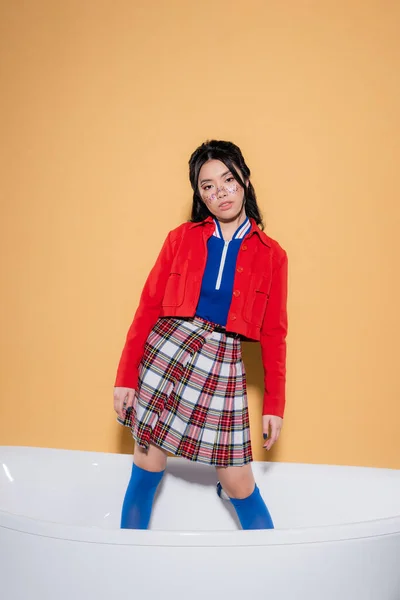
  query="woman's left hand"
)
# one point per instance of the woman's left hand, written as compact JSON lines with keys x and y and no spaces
{"x":272,"y":426}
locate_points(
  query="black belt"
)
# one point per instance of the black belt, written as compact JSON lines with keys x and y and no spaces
{"x":231,"y":334}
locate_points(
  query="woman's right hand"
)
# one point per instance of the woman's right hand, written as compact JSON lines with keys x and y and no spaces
{"x":123,"y":398}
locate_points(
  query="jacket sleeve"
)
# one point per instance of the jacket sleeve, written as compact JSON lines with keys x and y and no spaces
{"x":145,"y":317}
{"x":273,"y":342}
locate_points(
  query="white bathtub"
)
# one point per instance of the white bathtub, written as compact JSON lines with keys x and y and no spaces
{"x":337,"y":533}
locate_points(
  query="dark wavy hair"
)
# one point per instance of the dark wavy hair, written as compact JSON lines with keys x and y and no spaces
{"x":232,"y":157}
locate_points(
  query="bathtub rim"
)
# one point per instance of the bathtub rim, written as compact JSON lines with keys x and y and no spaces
{"x":163,"y":538}
{"x":385,"y":526}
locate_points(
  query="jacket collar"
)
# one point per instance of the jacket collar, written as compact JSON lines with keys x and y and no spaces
{"x":209,"y":222}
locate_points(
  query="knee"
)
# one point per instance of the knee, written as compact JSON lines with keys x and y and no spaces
{"x":237,"y":482}
{"x":240,"y":490}
{"x":153,"y":460}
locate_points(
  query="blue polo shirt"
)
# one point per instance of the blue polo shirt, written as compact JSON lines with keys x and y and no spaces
{"x":217,"y":284}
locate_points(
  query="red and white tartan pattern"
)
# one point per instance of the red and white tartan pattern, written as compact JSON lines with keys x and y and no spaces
{"x":191,"y":398}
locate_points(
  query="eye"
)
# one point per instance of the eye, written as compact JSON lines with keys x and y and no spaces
{"x":229,"y":179}
{"x":206,"y":188}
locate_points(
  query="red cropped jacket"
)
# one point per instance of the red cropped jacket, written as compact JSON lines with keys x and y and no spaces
{"x":258,"y":310}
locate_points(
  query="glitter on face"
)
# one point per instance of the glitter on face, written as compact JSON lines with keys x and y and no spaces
{"x":228,"y":189}
{"x":210,"y":197}
{"x":232,"y":189}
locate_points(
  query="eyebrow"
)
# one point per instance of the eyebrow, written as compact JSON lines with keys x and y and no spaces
{"x":223,"y":175}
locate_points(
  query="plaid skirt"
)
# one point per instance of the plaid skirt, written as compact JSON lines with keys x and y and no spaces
{"x":191,"y":398}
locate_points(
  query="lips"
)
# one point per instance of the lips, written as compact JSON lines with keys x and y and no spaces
{"x":225,"y":205}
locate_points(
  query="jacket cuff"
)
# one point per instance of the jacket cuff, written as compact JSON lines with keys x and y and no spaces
{"x":273,"y":406}
{"x":127,"y":378}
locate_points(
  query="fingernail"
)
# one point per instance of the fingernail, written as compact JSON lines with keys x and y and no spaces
{"x":265,"y":436}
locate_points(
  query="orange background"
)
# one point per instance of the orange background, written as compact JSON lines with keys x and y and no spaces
{"x":102,"y":104}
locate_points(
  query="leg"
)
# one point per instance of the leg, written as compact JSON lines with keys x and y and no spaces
{"x":147,"y":471}
{"x":154,"y":459}
{"x":239,"y":484}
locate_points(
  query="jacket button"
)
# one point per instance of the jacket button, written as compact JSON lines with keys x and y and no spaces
{"x":239,"y":269}
{"x":244,"y":247}
{"x":233,"y":317}
{"x":236,"y":293}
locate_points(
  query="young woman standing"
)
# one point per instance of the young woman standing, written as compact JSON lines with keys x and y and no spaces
{"x":181,"y":384}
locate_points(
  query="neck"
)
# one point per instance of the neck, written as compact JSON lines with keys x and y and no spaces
{"x":228,"y":228}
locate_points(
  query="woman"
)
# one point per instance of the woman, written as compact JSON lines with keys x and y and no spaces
{"x":180,"y":384}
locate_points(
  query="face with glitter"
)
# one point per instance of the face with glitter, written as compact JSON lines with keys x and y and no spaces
{"x":220,"y":191}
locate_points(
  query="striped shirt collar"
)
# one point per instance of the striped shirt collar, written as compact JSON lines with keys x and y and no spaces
{"x":239,"y":233}
{"x":209,"y":222}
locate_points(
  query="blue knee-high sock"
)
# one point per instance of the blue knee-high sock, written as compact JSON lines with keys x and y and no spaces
{"x":139,"y":496}
{"x":252,"y":511}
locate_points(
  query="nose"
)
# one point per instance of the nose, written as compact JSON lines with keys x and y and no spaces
{"x":221,"y":192}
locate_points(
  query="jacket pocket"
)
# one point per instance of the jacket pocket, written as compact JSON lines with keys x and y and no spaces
{"x":175,"y":289}
{"x":257,"y":300}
